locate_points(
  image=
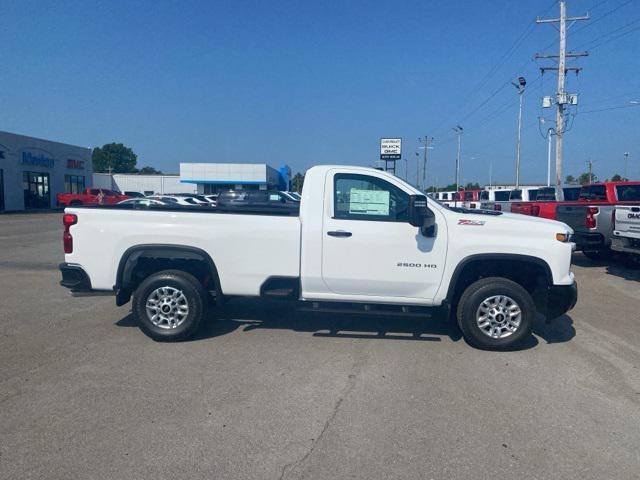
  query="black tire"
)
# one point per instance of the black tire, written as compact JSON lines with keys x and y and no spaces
{"x":597,"y":255}
{"x":476,"y":294}
{"x":193,"y":296}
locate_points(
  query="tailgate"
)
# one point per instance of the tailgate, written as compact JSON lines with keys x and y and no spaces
{"x":628,"y":219}
{"x":572,"y":215}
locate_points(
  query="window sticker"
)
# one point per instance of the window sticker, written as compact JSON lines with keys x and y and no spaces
{"x":369,"y":202}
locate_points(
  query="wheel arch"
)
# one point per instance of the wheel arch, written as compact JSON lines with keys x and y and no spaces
{"x":156,"y":257}
{"x":526,"y":270}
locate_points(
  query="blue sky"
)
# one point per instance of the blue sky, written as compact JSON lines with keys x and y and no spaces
{"x":308,"y":83}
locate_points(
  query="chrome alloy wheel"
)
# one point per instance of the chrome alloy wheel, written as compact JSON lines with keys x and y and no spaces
{"x":499,"y":316}
{"x":167,"y":307}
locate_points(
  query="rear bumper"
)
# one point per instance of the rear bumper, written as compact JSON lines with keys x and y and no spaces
{"x":561,"y":299}
{"x":625,"y":244}
{"x":76,"y":279}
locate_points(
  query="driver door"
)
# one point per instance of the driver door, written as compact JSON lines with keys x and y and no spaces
{"x":368,"y":247}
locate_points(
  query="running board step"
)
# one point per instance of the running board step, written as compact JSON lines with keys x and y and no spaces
{"x":366,"y":309}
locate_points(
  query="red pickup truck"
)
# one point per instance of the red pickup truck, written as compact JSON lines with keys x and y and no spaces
{"x":90,"y":196}
{"x":591,"y":217}
{"x":545,"y":204}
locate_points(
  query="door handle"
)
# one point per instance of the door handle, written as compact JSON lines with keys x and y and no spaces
{"x":339,"y":233}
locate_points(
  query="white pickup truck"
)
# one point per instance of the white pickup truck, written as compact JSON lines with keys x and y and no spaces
{"x":626,"y":231}
{"x":362,"y":240}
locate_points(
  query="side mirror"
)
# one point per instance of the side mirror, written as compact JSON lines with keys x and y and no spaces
{"x":420,"y":216}
{"x":417,"y":210}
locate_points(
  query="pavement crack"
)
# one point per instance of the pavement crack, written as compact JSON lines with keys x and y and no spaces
{"x":351,"y":381}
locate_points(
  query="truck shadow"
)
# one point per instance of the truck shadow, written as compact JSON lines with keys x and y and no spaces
{"x":250,"y":315}
{"x":618,"y":266}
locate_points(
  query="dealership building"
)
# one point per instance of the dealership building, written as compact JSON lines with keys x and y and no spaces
{"x":216,"y":177}
{"x":33,"y":171}
{"x":202,"y":178}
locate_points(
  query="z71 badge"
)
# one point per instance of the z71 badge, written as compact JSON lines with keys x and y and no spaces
{"x":471,"y":222}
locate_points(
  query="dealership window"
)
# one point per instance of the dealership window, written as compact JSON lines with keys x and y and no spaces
{"x":362,"y":197}
{"x":73,"y":183}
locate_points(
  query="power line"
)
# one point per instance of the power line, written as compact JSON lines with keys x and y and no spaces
{"x":495,"y":67}
{"x":609,"y":108}
{"x":616,"y":37}
{"x":605,"y":35}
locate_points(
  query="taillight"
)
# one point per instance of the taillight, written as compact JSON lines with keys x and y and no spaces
{"x":497,"y":207}
{"x":613,"y":219}
{"x":68,"y":219}
{"x":590,"y":221}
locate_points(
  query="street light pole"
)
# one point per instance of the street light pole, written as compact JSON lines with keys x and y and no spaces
{"x":520,"y":86}
{"x":458,"y":129}
{"x":626,"y":158}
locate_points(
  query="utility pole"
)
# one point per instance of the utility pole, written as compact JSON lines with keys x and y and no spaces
{"x":561,"y":96}
{"x":626,"y":158}
{"x":418,"y":170}
{"x":426,"y":141}
{"x":458,"y":129}
{"x":520,"y":86}
{"x":590,"y":163}
{"x":549,"y":157}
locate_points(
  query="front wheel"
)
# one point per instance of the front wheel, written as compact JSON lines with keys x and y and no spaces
{"x":495,"y":313}
{"x":169,"y":305}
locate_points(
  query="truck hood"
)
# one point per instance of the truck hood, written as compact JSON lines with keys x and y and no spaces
{"x":502,"y":220}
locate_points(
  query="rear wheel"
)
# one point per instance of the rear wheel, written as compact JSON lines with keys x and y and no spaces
{"x":169,"y":305}
{"x":495,"y":313}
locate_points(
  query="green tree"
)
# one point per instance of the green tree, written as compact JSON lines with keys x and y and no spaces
{"x":570,"y":180}
{"x":149,"y":171}
{"x":584,"y":178}
{"x":618,"y":178}
{"x":116,"y":156}
{"x":297,"y":182}
{"x":472,"y":186}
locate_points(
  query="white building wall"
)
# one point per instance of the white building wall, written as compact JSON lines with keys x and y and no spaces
{"x":159,"y":184}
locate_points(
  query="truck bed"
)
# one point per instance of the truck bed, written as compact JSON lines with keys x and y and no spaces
{"x":248,"y":246}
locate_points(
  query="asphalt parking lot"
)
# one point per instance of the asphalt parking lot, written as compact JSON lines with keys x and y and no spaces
{"x":266,"y":394}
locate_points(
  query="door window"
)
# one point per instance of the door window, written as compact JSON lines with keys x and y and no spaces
{"x":362,"y":197}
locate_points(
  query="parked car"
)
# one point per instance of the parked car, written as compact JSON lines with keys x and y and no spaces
{"x":362,"y":241}
{"x":490,"y":198}
{"x":91,"y":196}
{"x":134,"y":194}
{"x":626,"y":231}
{"x":295,"y":196}
{"x":591,"y":216}
{"x":522,"y":194}
{"x":176,"y":200}
{"x":212,"y":199}
{"x":199,"y":199}
{"x":256,"y":198}
{"x":445,"y":197}
{"x":545,"y":204}
{"x":142,"y":202}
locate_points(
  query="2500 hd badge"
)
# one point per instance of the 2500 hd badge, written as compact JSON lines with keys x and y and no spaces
{"x":417,"y":265}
